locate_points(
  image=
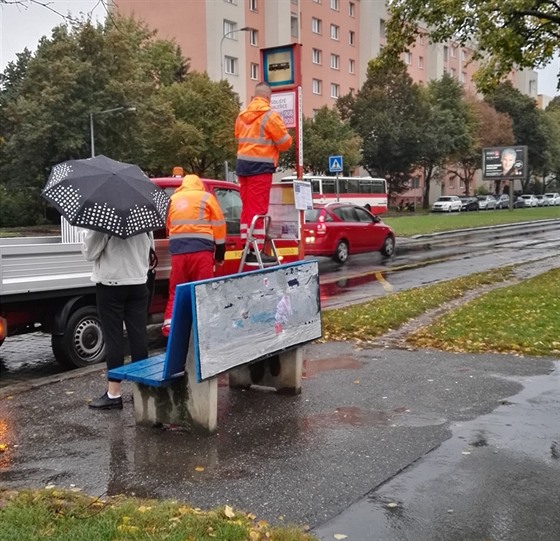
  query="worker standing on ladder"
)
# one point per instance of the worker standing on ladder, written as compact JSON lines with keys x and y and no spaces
{"x":261,"y":135}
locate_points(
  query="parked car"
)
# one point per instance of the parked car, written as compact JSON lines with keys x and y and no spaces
{"x":339,"y":229}
{"x":519,"y":203}
{"x":530,"y":200}
{"x":502,"y":201}
{"x":541,"y":200}
{"x":447,"y":203}
{"x":486,"y":202}
{"x":469,"y":203}
{"x":553,"y":199}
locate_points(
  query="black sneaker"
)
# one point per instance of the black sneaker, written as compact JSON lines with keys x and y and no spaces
{"x":106,"y":403}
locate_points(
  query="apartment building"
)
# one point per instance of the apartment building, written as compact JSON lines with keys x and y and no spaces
{"x":337,"y":37}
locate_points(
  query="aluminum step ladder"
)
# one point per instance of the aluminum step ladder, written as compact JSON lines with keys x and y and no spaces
{"x":251,"y":245}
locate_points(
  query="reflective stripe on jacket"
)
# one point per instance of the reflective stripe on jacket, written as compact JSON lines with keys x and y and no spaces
{"x":261,"y":135}
{"x":195,"y":222}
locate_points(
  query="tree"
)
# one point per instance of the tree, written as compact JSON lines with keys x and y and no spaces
{"x":446,"y":130}
{"x":528,"y":124}
{"x":324,"y":135}
{"x":488,"y":129}
{"x":505,"y":34}
{"x":387,"y":114}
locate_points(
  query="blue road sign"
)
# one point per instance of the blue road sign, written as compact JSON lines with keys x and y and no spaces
{"x":336,"y":164}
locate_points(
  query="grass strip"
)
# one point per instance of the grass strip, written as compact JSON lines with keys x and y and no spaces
{"x":520,"y":319}
{"x":364,"y":322}
{"x":423,"y":224}
{"x":57,"y":515}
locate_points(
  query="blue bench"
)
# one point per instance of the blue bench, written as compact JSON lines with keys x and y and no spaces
{"x":162,"y":370}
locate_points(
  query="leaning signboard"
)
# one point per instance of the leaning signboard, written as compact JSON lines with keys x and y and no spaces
{"x":504,"y":163}
{"x":244,"y":317}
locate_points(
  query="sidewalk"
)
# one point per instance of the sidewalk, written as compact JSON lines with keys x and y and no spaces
{"x":463,"y":444}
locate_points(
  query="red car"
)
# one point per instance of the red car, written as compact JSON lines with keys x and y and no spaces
{"x":339,"y":229}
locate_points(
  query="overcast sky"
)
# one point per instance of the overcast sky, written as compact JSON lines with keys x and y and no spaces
{"x":22,"y":27}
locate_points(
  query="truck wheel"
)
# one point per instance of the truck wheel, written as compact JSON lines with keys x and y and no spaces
{"x":82,"y":343}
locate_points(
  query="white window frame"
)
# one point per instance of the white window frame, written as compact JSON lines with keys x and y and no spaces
{"x":253,"y":5}
{"x":351,"y":66}
{"x":335,"y":4}
{"x":335,"y":90}
{"x":234,"y":2}
{"x":335,"y":32}
{"x":229,"y":29}
{"x":254,"y":73}
{"x":351,"y":9}
{"x":317,"y":86}
{"x":230,"y":65}
{"x":254,"y":37}
{"x":408,"y":58}
{"x":316,"y":56}
{"x":382,"y":28}
{"x":351,"y":37}
{"x":421,"y":62}
{"x":316,"y":25}
{"x":335,"y":61}
{"x":294,"y":28}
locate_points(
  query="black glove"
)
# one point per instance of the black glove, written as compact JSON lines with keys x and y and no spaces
{"x":220,"y":252}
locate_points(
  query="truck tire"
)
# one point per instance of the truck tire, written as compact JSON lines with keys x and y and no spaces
{"x":82,"y":343}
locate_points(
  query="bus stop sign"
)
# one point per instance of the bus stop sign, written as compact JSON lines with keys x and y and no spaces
{"x":335,"y":164}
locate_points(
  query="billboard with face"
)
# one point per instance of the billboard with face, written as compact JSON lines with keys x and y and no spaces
{"x":504,"y":162}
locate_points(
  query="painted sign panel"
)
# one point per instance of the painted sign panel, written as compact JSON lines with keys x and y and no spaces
{"x":284,"y":103}
{"x":244,"y":317}
{"x":278,"y":66}
{"x":504,"y":163}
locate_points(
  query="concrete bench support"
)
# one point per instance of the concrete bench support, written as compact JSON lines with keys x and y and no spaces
{"x":183,"y":402}
{"x":282,"y":372}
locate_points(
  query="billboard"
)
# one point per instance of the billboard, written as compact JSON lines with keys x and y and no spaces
{"x":504,"y":163}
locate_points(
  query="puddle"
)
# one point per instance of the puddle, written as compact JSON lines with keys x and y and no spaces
{"x":313,"y":367}
{"x":333,"y":289}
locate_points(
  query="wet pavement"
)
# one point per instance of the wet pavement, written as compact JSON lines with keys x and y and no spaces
{"x":464,"y":445}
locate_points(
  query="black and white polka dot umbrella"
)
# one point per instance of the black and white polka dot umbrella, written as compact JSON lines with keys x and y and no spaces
{"x":105,"y":195}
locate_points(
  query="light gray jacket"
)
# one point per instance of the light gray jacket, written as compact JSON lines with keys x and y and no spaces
{"x":116,"y":261}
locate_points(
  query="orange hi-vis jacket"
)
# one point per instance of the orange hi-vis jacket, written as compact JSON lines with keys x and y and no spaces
{"x":195,"y":222}
{"x":261,"y":135}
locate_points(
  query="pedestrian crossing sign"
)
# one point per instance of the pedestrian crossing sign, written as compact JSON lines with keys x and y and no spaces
{"x":335,"y":164}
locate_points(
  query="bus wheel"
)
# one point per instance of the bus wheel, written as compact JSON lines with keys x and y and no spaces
{"x":341,"y":253}
{"x":82,"y":343}
{"x":388,"y":248}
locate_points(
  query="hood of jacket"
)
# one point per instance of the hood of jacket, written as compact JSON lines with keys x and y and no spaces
{"x":257,"y":108}
{"x":191,"y":183}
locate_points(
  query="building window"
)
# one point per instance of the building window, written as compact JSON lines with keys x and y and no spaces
{"x":317,"y":86}
{"x":335,"y":4}
{"x":253,"y":5}
{"x":335,"y":90}
{"x":382,"y":29}
{"x":317,"y":1}
{"x":317,"y":56}
{"x":453,"y":52}
{"x":315,"y":112}
{"x":231,"y":1}
{"x":254,"y":37}
{"x":334,"y":31}
{"x":351,"y":9}
{"x":335,"y":62}
{"x":445,"y":53}
{"x":351,"y":66}
{"x":230,"y":65}
{"x":408,"y":58}
{"x":421,"y":62}
{"x":463,"y":55}
{"x":463,"y":76}
{"x":453,"y":73}
{"x":229,"y":28}
{"x":316,"y":25}
{"x":254,"y":71}
{"x":294,"y":27}
{"x":351,"y":37}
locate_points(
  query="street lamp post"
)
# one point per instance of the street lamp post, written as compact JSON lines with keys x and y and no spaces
{"x":244,"y":29}
{"x":91,"y":133}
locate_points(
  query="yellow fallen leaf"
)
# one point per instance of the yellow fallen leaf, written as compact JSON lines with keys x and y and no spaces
{"x":392,"y":505}
{"x":357,"y":381}
{"x":143,"y":509}
{"x":199,"y":468}
{"x":340,"y":536}
{"x":228,"y":511}
{"x":3,"y":447}
{"x":127,"y":529}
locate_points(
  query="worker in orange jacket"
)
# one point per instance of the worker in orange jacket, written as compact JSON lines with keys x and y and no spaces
{"x":261,"y":135}
{"x":197,"y":237}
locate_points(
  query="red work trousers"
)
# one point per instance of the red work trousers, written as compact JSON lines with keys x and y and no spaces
{"x":255,"y":195}
{"x":186,"y":268}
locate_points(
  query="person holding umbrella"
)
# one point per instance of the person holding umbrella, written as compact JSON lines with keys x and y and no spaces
{"x":120,"y":206}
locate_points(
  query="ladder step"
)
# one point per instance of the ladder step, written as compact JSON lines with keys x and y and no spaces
{"x":251,"y":245}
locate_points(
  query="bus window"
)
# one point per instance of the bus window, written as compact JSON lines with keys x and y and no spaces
{"x":316,"y":185}
{"x":329,"y":186}
{"x":352,"y":185}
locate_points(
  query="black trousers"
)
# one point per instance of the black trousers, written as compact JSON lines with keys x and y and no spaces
{"x":128,"y":305}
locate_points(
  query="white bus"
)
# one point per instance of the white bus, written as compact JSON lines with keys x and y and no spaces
{"x":367,"y":192}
